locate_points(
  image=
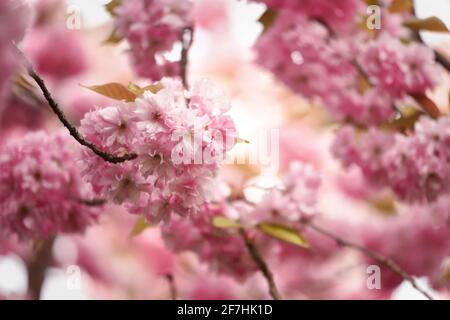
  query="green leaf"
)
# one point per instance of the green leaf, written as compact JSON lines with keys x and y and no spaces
{"x":140,"y":226}
{"x":225,"y":223}
{"x":114,"y":91}
{"x":399,"y":6}
{"x":267,"y":19}
{"x":428,"y":24}
{"x":284,"y":233}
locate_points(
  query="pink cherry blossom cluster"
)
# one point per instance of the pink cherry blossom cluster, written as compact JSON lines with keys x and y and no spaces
{"x":415,"y":166}
{"x":292,"y":201}
{"x":180,"y":138}
{"x":15,"y":17}
{"x":319,"y":50}
{"x":152,"y":28}
{"x":41,"y":191}
{"x":223,"y":249}
{"x":418,"y":240}
{"x":56,"y":53}
{"x":338,"y":15}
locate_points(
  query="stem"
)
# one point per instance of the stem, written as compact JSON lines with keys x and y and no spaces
{"x":385,"y":261}
{"x":187,"y":37}
{"x":172,"y":287}
{"x":37,"y":266}
{"x":93,"y":202}
{"x":262,"y":266}
{"x":72,"y":130}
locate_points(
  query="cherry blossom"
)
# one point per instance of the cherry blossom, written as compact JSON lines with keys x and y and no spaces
{"x":180,"y":139}
{"x":152,"y":28}
{"x":41,"y":191}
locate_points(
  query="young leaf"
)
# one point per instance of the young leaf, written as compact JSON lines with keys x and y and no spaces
{"x":267,"y":19}
{"x":399,"y":6}
{"x":406,"y":122}
{"x":284,"y":233}
{"x":113,"y":38}
{"x":140,"y":226}
{"x":371,"y":2}
{"x":225,"y":223}
{"x":427,"y":105}
{"x":112,"y":5}
{"x":240,"y":140}
{"x":114,"y":91}
{"x":137,"y":90}
{"x":428,"y":24}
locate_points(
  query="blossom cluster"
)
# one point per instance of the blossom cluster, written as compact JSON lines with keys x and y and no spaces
{"x":417,"y":240}
{"x":415,"y":166}
{"x":291,"y":201}
{"x":15,"y":17}
{"x":180,"y":138}
{"x":152,"y":28}
{"x":224,"y":251}
{"x":321,"y":50}
{"x":56,"y":53}
{"x":41,"y":191}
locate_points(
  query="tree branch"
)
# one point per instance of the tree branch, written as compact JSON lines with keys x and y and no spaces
{"x":383,"y":260}
{"x":187,"y":37}
{"x":262,"y":266}
{"x":37,"y":266}
{"x":72,"y":130}
{"x":172,"y":286}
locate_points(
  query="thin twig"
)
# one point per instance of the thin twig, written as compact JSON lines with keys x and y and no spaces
{"x":385,"y":261}
{"x":37,"y":266}
{"x":72,"y":130}
{"x":93,"y":202}
{"x":262,"y":266}
{"x":172,"y":286}
{"x":187,"y":37}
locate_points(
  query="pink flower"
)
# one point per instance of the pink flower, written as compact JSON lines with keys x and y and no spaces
{"x":224,"y":252}
{"x":41,"y":193}
{"x":293,"y":201}
{"x":15,"y":18}
{"x":152,"y":27}
{"x":172,"y":132}
{"x":415,"y":167}
{"x":56,"y":53}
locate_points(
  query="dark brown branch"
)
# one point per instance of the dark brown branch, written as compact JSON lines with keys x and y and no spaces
{"x":262,"y":266}
{"x":72,"y":130}
{"x":37,"y":266}
{"x":187,"y":37}
{"x":385,"y":261}
{"x":93,"y":202}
